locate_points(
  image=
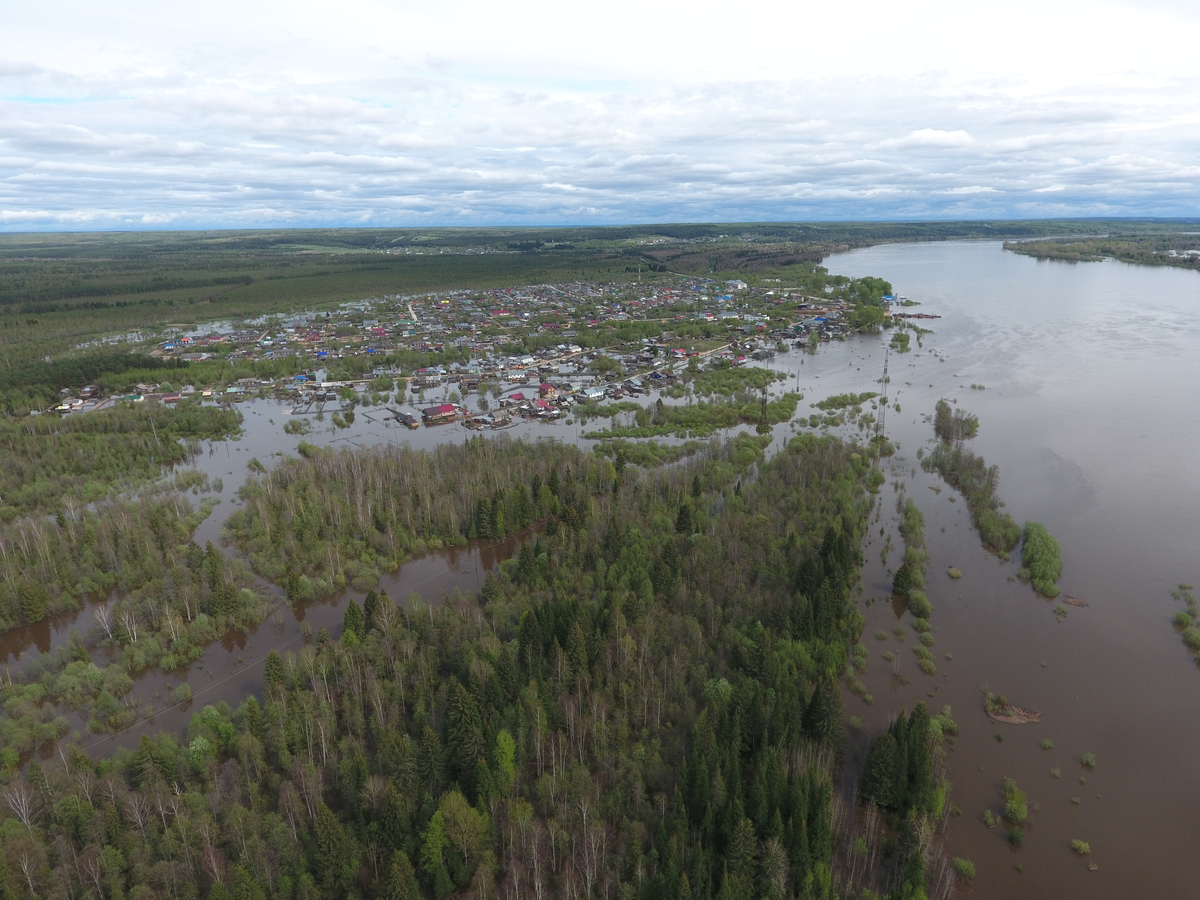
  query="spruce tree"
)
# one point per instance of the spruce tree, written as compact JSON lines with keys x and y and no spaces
{"x":353,"y":619}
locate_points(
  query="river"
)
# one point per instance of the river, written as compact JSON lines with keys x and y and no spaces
{"x":1089,"y":410}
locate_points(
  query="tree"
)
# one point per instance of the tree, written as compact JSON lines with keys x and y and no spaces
{"x":823,"y":718}
{"x":336,"y":863}
{"x":464,"y":734}
{"x":466,"y":831}
{"x":432,"y":863}
{"x":353,"y":619}
{"x":878,"y":782}
{"x":402,"y":879}
{"x":274,"y":673}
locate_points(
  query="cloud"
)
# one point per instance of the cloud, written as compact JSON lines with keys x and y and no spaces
{"x":930,"y":137}
{"x":382,"y":112}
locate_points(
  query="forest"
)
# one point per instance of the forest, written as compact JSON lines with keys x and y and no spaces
{"x":55,"y":465}
{"x":643,"y":703}
{"x":1172,"y":249}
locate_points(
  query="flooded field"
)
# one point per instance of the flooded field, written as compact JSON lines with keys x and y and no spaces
{"x":1085,"y":385}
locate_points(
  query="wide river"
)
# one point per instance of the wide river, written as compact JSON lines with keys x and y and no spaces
{"x":1089,"y":409}
{"x":1092,"y":378}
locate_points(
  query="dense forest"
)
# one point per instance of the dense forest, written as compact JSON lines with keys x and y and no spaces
{"x":643,"y":703}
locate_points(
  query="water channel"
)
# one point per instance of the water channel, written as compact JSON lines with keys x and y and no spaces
{"x":1088,"y":407}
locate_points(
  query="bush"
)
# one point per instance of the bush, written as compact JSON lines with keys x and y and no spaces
{"x":1016,"y":837}
{"x":1191,"y":637}
{"x":919,"y":605}
{"x":1016,"y":809}
{"x":1089,"y":760}
{"x":1081,"y":847}
{"x":1047,"y":744}
{"x":1040,"y":556}
{"x":964,"y":867}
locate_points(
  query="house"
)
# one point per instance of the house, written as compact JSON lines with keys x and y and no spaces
{"x":446,"y":412}
{"x":407,"y":419}
{"x":548,"y":390}
{"x":736,"y":285}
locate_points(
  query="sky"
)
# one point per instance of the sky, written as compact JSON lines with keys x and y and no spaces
{"x":259,"y":113}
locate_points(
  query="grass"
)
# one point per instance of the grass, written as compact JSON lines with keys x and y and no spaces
{"x":1056,"y":772}
{"x":1047,"y":744}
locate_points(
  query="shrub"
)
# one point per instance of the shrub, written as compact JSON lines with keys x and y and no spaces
{"x":928,"y":639}
{"x":1016,"y":809}
{"x":1191,"y":637}
{"x":1089,"y":760}
{"x":964,"y":867}
{"x":1081,"y":847}
{"x":881,"y":635}
{"x":954,"y":573}
{"x":1182,"y":619}
{"x":1047,"y":744}
{"x":1040,"y":555}
{"x":1016,"y":837}
{"x":990,"y":819}
{"x":919,"y":605}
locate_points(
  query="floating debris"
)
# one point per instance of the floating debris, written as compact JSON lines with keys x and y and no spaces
{"x":1073,"y":601}
{"x":999,"y":709}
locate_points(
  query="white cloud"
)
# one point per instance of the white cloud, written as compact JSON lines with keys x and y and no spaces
{"x":383,"y":111}
{"x":929,"y":137}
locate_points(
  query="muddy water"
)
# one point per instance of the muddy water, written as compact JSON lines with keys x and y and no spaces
{"x":1090,"y":413}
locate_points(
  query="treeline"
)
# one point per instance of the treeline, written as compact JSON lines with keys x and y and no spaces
{"x":60,"y":465}
{"x":1144,"y":250}
{"x":973,"y":478}
{"x":48,"y":565}
{"x":36,"y":384}
{"x":318,"y":523}
{"x":642,"y":704}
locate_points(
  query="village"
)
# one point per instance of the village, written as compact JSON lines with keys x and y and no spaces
{"x":532,"y":352}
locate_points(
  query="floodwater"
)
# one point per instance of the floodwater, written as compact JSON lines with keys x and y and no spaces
{"x":1089,"y":410}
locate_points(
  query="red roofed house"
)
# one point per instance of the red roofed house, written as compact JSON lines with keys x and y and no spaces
{"x":447,"y":412}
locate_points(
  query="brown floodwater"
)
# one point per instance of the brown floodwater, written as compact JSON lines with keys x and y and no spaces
{"x":1090,"y":412}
